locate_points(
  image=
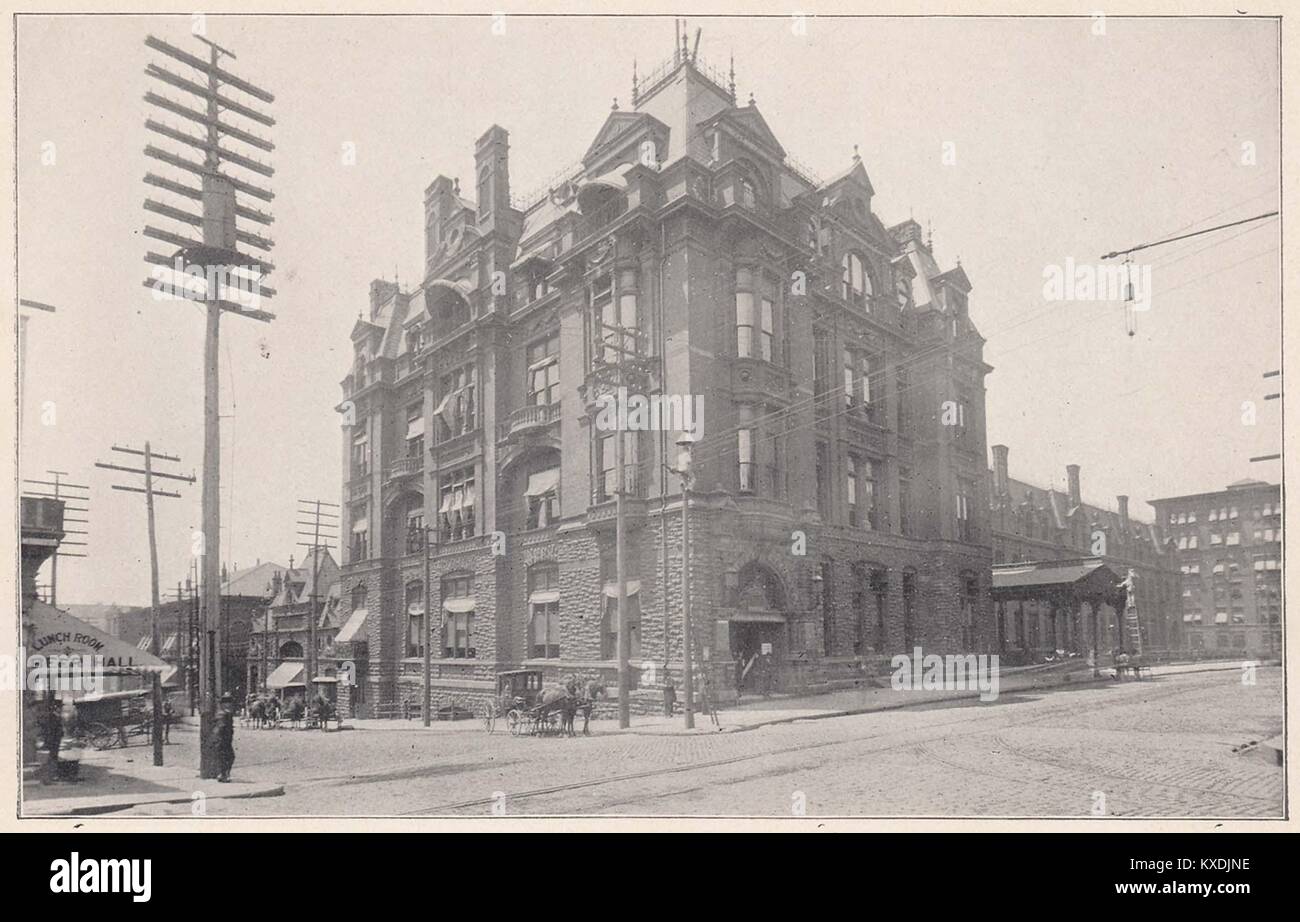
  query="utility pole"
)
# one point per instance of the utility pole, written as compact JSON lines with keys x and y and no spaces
{"x":63,"y":491}
{"x":1275,"y":395}
{"x":607,"y":378}
{"x":22,"y":350}
{"x":149,"y":494}
{"x":426,"y":630}
{"x":312,"y":507}
{"x":683,"y":470}
{"x":227,"y":281}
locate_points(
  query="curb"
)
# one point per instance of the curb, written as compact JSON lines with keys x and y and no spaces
{"x":93,"y":809}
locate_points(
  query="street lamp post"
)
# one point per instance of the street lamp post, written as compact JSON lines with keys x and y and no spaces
{"x":683,"y":470}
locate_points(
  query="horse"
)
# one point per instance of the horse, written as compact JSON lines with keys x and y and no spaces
{"x":257,"y":713}
{"x":559,"y":698}
{"x":587,"y":702}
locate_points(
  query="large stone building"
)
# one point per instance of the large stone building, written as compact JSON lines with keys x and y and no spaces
{"x":1229,"y":549}
{"x":838,"y":511}
{"x":1035,"y":524}
{"x":281,"y":635}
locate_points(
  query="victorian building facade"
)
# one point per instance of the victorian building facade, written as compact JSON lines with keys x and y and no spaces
{"x":1032,"y":524}
{"x":1229,"y":552}
{"x":838,"y":511}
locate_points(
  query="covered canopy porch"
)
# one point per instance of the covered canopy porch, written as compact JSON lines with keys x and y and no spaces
{"x":1040,"y":607}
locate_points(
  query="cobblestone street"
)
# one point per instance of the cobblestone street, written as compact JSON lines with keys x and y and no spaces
{"x":1155,"y":748}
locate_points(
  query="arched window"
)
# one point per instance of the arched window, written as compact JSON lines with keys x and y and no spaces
{"x":291,"y":649}
{"x":855,"y":283}
{"x":358,"y":596}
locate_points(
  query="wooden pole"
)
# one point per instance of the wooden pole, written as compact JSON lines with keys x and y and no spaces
{"x":155,"y":643}
{"x":425,"y":632}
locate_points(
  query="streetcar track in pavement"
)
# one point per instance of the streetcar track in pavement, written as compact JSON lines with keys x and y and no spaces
{"x":1048,"y":712}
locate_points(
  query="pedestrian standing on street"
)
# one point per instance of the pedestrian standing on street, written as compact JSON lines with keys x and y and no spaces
{"x":225,"y":738}
{"x":322,"y":711}
{"x":740,"y":675}
{"x":168,"y":713}
{"x":670,"y":694}
{"x":706,"y":696}
{"x":52,"y":730}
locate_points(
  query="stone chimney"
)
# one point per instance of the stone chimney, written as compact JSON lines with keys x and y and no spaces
{"x":1072,"y":472}
{"x":381,"y":291}
{"x":439,"y":199}
{"x":492,"y":167}
{"x":1001,"y":482}
{"x":1123,"y":514}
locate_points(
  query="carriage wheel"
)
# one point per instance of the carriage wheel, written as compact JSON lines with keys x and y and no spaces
{"x":490,"y":719}
{"x":101,"y":736}
{"x":514,"y":721}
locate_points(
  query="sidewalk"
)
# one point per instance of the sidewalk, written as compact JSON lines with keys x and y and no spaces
{"x":115,"y":779}
{"x":755,"y":711}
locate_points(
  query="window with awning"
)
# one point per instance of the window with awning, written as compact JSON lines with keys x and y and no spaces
{"x":544,"y":610}
{"x":456,"y":504}
{"x":542,"y":493}
{"x":458,"y":617}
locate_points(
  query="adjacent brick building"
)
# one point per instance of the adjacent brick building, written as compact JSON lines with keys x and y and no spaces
{"x":1032,"y":523}
{"x":839,"y":508}
{"x":1229,"y":550}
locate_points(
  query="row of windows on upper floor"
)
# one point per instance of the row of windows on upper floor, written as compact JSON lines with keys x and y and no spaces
{"x":1224,"y":514}
{"x":758,"y":298}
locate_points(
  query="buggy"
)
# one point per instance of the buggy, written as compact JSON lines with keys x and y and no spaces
{"x":110,"y":719}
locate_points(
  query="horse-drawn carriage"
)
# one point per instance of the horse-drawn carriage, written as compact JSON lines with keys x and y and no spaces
{"x":110,"y":719}
{"x":534,"y":709}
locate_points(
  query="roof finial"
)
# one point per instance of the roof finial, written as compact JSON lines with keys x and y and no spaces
{"x":751,"y":97}
{"x":635,"y":92}
{"x":731,"y":84}
{"x":855,"y":153}
{"x":929,"y":234}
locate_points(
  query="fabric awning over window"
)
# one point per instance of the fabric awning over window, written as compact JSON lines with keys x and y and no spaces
{"x":457,"y":606}
{"x":360,"y":525}
{"x":355,"y":622}
{"x":1221,"y":617}
{"x":360,"y":438}
{"x":544,"y":596}
{"x":446,"y":502}
{"x":415,"y":427}
{"x":543,"y":482}
{"x":286,"y":675}
{"x":633,"y":587}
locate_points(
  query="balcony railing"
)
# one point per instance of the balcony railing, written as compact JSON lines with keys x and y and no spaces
{"x":526,"y":418}
{"x":405,"y":467}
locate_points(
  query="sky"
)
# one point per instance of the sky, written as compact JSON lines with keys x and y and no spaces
{"x":1022,"y":143}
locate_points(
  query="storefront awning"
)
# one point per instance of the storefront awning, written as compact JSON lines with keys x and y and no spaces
{"x":54,"y":631}
{"x":356,"y":621}
{"x":286,"y":675}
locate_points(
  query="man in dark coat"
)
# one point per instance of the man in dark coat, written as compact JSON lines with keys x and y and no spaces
{"x":225,"y":738}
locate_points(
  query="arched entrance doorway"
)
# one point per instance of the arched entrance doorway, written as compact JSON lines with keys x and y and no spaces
{"x":757,"y":630}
